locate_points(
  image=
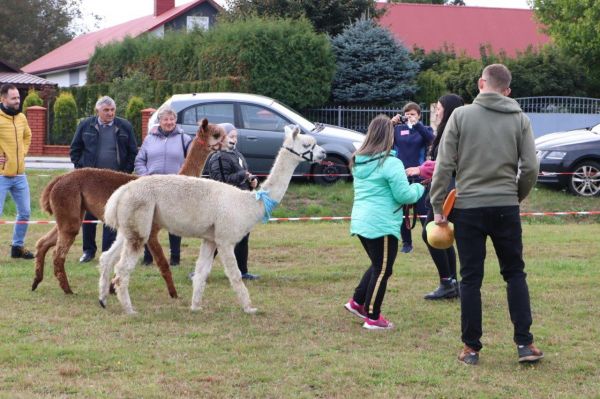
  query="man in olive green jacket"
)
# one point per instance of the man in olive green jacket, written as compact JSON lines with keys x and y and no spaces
{"x":15,"y":138}
{"x":490,"y":146}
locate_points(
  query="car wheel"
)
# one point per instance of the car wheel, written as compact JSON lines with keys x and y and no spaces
{"x":329,"y":171}
{"x":585,"y":180}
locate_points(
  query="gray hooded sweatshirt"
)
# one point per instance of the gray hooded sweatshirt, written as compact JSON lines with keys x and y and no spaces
{"x":490,"y":146}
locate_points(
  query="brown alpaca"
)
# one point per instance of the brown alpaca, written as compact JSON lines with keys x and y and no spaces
{"x":68,"y":196}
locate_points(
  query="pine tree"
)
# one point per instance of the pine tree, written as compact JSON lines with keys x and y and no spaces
{"x":372,"y":67}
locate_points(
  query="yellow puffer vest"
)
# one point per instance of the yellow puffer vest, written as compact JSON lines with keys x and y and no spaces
{"x":15,"y":138}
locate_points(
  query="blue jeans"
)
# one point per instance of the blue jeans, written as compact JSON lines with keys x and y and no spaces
{"x":19,"y":191}
{"x":471,"y":229}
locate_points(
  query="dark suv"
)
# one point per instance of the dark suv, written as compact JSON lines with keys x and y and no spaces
{"x":571,"y":159}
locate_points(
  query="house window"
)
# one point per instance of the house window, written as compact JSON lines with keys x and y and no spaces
{"x":74,"y":77}
{"x":197,"y":22}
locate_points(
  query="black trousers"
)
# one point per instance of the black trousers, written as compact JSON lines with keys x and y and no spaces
{"x":444,"y":259}
{"x":370,"y":292}
{"x":88,"y":231}
{"x":241,"y":254}
{"x":174,"y":245}
{"x":503,"y":226}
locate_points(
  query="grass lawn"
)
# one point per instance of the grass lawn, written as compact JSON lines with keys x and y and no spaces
{"x":302,"y":343}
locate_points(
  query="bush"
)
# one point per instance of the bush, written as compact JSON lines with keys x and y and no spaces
{"x":133,"y":114}
{"x":65,"y":119}
{"x":431,"y":86}
{"x":32,"y":98}
{"x":136,"y":84}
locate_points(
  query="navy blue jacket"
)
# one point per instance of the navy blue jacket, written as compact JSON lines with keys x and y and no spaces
{"x":411,"y":144}
{"x":84,"y":147}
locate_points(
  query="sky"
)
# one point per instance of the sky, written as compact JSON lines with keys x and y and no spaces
{"x":114,"y":12}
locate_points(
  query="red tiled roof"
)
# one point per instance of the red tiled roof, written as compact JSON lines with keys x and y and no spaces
{"x":78,"y":51}
{"x":466,"y":28}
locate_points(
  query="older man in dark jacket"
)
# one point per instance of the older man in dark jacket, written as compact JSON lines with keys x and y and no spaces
{"x":104,"y":142}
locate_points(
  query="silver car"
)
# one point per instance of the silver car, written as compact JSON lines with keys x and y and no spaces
{"x":260,"y":121}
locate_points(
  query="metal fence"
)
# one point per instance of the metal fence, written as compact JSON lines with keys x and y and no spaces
{"x":560,"y":105}
{"x":358,"y":118}
{"x":355,"y":118}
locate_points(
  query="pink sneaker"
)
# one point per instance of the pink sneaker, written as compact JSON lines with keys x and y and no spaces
{"x":356,"y":309}
{"x":379,"y":324}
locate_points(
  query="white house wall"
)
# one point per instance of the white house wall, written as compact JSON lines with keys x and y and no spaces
{"x":63,"y":77}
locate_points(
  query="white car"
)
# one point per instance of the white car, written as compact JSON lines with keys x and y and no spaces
{"x":260,"y":121}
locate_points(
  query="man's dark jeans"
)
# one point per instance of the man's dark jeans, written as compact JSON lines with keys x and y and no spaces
{"x":89,"y":235}
{"x":503,"y":225}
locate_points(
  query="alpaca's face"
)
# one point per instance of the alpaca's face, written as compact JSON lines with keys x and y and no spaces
{"x":213,"y":135}
{"x":216,"y":137}
{"x":302,"y":145}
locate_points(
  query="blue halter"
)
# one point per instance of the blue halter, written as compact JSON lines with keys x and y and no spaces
{"x":270,"y":203}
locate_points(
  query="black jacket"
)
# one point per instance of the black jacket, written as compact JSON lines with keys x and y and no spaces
{"x":84,"y":147}
{"x":225,"y":166}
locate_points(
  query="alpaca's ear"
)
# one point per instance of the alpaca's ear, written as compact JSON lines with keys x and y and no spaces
{"x":291,"y":131}
{"x":204,"y":123}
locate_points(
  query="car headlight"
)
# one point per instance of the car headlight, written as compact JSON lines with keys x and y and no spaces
{"x":558,"y":155}
{"x":357,"y":144}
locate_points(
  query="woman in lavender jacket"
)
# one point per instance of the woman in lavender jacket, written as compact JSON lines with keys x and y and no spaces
{"x":162,"y":153}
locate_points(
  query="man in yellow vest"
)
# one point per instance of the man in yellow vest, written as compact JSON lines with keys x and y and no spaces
{"x":15,"y":138}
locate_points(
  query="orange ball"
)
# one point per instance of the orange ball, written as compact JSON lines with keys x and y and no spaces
{"x":440,"y":236}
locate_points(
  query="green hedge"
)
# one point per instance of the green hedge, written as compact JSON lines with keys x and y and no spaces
{"x":280,"y":58}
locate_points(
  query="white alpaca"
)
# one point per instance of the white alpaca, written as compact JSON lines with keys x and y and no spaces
{"x":179,"y":205}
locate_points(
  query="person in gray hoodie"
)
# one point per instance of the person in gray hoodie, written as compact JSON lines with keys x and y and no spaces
{"x":490,"y":145}
{"x":162,"y":153}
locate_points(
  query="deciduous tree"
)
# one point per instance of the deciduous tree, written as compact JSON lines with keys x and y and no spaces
{"x":32,"y":28}
{"x":326,"y":16}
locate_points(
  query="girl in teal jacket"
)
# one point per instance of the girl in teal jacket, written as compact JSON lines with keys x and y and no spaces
{"x":380,"y":189}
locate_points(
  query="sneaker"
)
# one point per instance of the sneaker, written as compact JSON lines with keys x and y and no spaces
{"x":356,"y":309}
{"x":174,"y":261}
{"x":446,"y":289}
{"x":406,"y":248}
{"x":529,"y":353}
{"x":249,"y":276}
{"x":20,"y":252}
{"x":380,"y":324}
{"x":469,"y":356}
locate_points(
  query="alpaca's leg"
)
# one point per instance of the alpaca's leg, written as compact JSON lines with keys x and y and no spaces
{"x":41,"y":248}
{"x":63,"y":244}
{"x":107,"y":261}
{"x":129,"y":256}
{"x":235,"y":277}
{"x":161,"y":261}
{"x":203,"y":267}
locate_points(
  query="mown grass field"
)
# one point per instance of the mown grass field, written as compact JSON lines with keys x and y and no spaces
{"x":302,"y":343}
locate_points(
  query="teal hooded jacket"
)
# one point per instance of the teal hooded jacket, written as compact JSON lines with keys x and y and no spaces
{"x":379,"y":190}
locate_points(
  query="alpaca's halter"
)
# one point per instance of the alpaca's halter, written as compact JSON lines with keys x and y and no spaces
{"x":303,"y":155}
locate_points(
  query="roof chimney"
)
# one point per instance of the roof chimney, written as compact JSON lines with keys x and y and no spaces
{"x":162,"y":6}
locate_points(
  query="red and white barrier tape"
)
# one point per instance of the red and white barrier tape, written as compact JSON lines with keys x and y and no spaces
{"x":323,"y":218}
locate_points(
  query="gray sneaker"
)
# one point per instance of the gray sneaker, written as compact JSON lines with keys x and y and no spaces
{"x":529,"y":353}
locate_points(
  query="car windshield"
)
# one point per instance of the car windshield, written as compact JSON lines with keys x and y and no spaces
{"x":304,"y":123}
{"x":596,"y":129}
